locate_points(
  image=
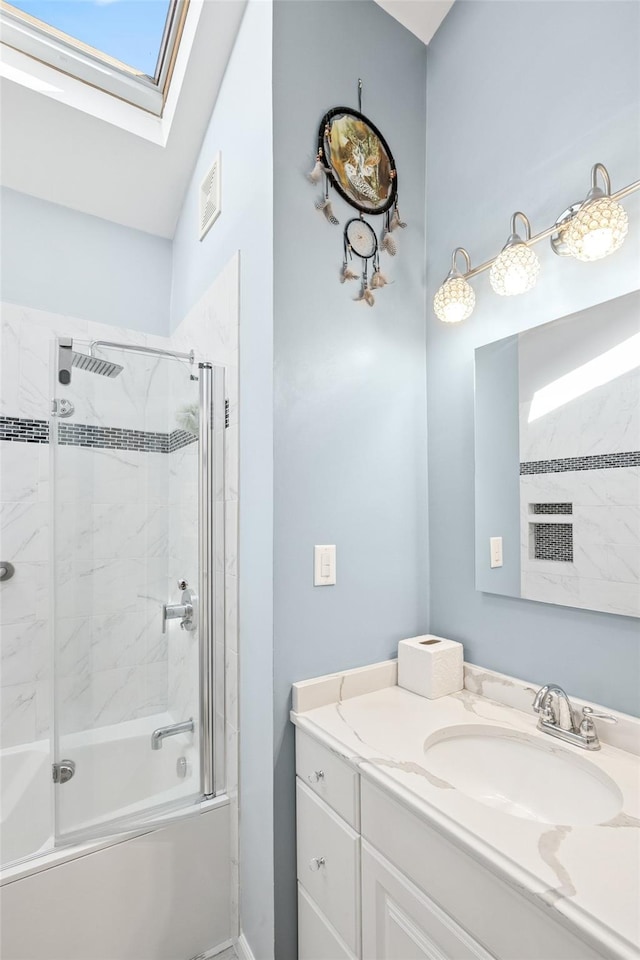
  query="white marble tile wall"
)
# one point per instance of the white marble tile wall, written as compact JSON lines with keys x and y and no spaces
{"x":113,"y":522}
{"x":24,"y":605}
{"x":605,"y":572}
{"x":604,"y":420}
{"x":111,"y":540}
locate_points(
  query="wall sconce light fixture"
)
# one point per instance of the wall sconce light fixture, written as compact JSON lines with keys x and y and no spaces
{"x":455,"y":299}
{"x":594,"y":228}
{"x":516,"y":269}
{"x":587,"y":231}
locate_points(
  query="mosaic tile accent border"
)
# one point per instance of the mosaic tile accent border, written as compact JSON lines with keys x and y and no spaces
{"x":553,"y":541}
{"x":179,"y":439}
{"x":551,"y":508}
{"x":114,"y":438}
{"x":24,"y":431}
{"x":601,"y":461}
{"x":21,"y":430}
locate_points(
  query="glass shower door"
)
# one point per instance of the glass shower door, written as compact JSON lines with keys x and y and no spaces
{"x":126,"y":574}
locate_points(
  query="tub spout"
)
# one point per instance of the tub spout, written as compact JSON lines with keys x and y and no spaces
{"x":171,"y":731}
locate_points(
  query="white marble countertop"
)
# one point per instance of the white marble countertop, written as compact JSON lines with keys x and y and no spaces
{"x":588,"y":875}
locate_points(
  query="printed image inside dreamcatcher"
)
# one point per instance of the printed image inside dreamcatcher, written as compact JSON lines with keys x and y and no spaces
{"x":354,"y":159}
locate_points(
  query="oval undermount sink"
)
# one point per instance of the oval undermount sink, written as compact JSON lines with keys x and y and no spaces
{"x":518,"y":775}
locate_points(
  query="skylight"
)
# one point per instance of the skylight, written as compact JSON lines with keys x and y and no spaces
{"x":124,"y":47}
{"x":130,"y":31}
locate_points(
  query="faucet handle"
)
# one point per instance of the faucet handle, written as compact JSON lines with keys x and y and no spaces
{"x":588,"y":714}
{"x":588,"y":727}
{"x":541,"y":698}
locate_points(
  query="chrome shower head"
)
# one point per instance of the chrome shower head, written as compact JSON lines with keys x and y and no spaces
{"x":105,"y":368}
{"x":68,"y":358}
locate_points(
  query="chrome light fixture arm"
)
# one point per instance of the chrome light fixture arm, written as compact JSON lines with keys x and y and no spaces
{"x":573,"y":234}
{"x":549,"y":231}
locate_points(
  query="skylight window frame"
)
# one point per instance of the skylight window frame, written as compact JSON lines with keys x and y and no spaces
{"x":96,"y":68}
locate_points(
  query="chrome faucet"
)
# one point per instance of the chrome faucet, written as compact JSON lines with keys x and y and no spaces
{"x":557,"y":718}
{"x":171,"y":731}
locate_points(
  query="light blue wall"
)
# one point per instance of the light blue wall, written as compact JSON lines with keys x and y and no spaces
{"x":350,"y":420}
{"x":497,"y":465}
{"x":56,"y":259}
{"x":512,"y":127}
{"x":241,"y":127}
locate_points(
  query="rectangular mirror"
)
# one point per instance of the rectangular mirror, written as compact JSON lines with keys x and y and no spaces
{"x":557,"y":449}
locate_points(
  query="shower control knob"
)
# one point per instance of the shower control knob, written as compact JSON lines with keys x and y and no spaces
{"x":182,"y":584}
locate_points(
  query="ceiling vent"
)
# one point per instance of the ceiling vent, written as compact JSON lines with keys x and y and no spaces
{"x":210,"y":197}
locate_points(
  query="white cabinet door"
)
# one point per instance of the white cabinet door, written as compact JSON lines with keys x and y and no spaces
{"x":401,"y":923}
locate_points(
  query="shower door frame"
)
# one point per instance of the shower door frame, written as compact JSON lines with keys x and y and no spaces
{"x":212,"y":667}
{"x":211,"y":595}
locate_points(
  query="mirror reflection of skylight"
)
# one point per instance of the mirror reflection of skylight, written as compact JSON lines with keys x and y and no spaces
{"x":130,"y":31}
{"x":602,"y":369}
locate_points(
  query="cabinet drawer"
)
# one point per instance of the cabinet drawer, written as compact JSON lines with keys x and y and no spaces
{"x":317,"y":940}
{"x":328,"y":776}
{"x":505,"y":922}
{"x":329,"y":864}
{"x":398,"y":920}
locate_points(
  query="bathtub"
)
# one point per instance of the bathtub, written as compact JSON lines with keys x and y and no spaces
{"x":25,"y":801}
{"x":51,"y":883}
{"x":118,"y":777}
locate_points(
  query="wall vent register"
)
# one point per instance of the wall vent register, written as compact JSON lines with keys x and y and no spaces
{"x":210,"y":197}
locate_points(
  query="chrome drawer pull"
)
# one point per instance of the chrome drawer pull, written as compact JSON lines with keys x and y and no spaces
{"x":316,"y":863}
{"x":316,"y":776}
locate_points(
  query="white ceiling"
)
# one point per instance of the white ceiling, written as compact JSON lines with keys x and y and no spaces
{"x":422,"y":17}
{"x":56,"y":152}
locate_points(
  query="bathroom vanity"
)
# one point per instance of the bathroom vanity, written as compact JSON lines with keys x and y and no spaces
{"x":453,"y":828}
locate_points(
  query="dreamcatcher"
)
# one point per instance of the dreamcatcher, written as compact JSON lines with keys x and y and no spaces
{"x":354,"y":158}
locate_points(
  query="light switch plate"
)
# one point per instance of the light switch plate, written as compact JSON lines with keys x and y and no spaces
{"x":324,"y":565}
{"x":495,"y":546}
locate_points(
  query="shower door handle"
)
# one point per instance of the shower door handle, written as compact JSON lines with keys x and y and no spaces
{"x":186,"y":611}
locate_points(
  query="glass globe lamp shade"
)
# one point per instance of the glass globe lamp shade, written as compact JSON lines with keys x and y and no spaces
{"x":597,"y":229}
{"x":515,"y":270}
{"x":454,"y":301}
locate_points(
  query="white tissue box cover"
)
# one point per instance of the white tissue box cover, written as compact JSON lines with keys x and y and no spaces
{"x":431,"y":670}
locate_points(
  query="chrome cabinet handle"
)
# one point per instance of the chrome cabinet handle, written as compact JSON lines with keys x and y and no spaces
{"x":316,"y":863}
{"x":316,"y":776}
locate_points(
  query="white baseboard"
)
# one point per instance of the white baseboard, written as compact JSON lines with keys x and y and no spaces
{"x":210,"y":954}
{"x":243,"y":949}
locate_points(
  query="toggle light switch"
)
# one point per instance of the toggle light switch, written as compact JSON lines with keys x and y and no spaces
{"x":495,"y":546}
{"x":324,"y":565}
